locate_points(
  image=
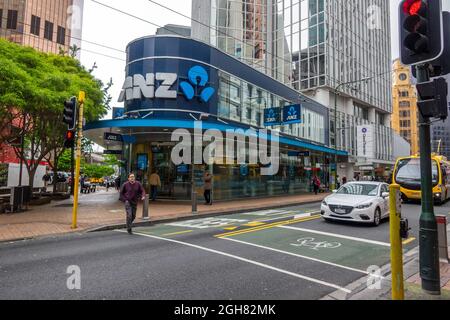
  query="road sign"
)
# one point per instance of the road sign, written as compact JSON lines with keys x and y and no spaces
{"x":116,"y":152}
{"x":108,"y":136}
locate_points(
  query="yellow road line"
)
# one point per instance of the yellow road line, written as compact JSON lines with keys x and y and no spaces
{"x":254,"y":224}
{"x":175,"y":233}
{"x":407,"y":241}
{"x":267,"y":226}
{"x":230,"y":228}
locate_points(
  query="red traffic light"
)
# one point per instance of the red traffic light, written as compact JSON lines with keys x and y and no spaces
{"x":413,"y":7}
{"x":69,"y":135}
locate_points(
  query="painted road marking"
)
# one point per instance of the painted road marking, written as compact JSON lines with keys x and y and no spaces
{"x":298,"y":255}
{"x":176,"y":233}
{"x":312,"y":244}
{"x":296,"y":275}
{"x":350,"y":253}
{"x":206,"y":223}
{"x":385,"y":244}
{"x":254,"y":224}
{"x":265,"y":213}
{"x":267,"y":226}
{"x":230,"y":228}
{"x":408,"y":241}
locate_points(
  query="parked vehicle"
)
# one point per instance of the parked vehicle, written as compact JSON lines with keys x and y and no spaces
{"x":365,"y":202}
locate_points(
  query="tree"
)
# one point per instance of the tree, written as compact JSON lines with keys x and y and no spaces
{"x":33,"y":87}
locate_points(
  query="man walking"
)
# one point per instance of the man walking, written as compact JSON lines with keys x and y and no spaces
{"x":130,"y":193}
{"x":155,"y":182}
{"x":207,"y":179}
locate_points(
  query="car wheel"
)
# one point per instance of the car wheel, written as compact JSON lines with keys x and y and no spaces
{"x":377,"y":217}
{"x":327,"y":220}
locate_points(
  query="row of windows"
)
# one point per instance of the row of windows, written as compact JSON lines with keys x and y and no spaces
{"x":11,"y":21}
{"x":48,"y":30}
{"x":35,"y":26}
{"x":243,"y":102}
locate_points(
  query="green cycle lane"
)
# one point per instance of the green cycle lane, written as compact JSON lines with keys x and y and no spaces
{"x":226,"y":222}
{"x":337,"y":250}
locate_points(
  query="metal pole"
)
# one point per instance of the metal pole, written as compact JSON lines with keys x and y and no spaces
{"x":428,"y":242}
{"x":81,"y":99}
{"x":22,"y":146}
{"x":193,"y":191}
{"x":145,"y":207}
{"x":333,"y":186}
{"x":396,"y":243}
{"x":72,"y":169}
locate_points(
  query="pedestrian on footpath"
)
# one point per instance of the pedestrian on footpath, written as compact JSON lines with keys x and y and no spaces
{"x":155,"y":183}
{"x":316,"y":185}
{"x":207,"y":187}
{"x":130,"y":193}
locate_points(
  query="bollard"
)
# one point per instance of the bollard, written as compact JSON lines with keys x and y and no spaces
{"x":194,"y":202}
{"x":442,"y":238}
{"x":396,"y":242}
{"x":145,"y":208}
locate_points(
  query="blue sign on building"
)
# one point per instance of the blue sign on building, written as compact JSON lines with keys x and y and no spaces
{"x":292,"y":114}
{"x":272,"y":116}
{"x":118,"y":112}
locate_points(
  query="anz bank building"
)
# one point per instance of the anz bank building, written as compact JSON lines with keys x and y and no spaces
{"x":174,"y":83}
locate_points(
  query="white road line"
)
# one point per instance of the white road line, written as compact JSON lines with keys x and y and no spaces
{"x":298,"y":255}
{"x":327,"y":284}
{"x":384,"y":244}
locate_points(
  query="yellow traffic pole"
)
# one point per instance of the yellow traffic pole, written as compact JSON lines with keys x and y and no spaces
{"x":81,"y":98}
{"x":396,"y":243}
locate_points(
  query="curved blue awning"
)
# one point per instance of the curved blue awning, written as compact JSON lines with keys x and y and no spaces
{"x":189,"y":124}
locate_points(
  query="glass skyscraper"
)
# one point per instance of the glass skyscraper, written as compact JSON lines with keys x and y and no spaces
{"x":315,"y":46}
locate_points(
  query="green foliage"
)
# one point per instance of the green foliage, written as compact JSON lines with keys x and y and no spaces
{"x":34,"y":85}
{"x":64,"y":161}
{"x":97,"y":171}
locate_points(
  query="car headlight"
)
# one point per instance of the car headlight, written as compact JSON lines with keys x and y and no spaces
{"x":364,"y":206}
{"x":324,"y":203}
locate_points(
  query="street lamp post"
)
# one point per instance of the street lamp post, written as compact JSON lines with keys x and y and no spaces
{"x":334,"y":184}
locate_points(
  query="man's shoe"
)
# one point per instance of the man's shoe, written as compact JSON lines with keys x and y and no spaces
{"x":129,"y":231}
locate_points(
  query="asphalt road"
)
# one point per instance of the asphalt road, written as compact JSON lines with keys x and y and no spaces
{"x":256,"y":255}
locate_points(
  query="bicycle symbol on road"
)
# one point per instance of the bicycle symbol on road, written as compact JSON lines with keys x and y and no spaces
{"x":312,"y":244}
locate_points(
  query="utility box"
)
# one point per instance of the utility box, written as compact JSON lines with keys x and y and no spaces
{"x":442,"y":238}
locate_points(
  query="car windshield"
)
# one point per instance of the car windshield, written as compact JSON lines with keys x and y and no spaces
{"x":359,"y":189}
{"x":408,"y":172}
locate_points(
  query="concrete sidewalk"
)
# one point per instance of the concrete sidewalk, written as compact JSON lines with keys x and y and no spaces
{"x":103,"y":210}
{"x":412,"y":282}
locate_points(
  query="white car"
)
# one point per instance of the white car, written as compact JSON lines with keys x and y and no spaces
{"x":366,"y":202}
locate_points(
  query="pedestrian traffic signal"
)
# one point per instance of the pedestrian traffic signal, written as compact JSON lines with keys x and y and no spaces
{"x":433,"y":98}
{"x":69,"y":139}
{"x":70,"y":113}
{"x":421,"y":31}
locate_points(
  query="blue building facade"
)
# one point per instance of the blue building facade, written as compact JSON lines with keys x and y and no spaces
{"x":172,"y":82}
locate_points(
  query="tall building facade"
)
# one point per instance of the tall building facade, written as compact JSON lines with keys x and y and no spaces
{"x":317,"y":47}
{"x":405,"y":116}
{"x":46,"y":25}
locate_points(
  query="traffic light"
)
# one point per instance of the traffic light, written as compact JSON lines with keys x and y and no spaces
{"x":433,"y":98}
{"x":69,"y":139}
{"x":70,"y":113}
{"x":421,"y":31}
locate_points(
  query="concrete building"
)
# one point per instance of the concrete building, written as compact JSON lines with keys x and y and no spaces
{"x":48,"y":26}
{"x":316,"y":47}
{"x":175,"y":30}
{"x":405,"y":116}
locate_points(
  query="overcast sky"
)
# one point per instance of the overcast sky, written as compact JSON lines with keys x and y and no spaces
{"x":113,"y":29}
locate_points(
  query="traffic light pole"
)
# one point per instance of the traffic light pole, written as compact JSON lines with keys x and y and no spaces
{"x":429,"y":254}
{"x":72,"y":169}
{"x":78,"y":161}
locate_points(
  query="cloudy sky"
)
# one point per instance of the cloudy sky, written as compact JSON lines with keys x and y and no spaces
{"x":115,"y":29}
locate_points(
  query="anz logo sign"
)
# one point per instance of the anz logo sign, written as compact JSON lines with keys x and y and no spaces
{"x":160,"y":85}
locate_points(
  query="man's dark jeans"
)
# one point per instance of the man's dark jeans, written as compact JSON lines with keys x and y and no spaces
{"x":131,"y":213}
{"x":154,"y":192}
{"x":207,"y":195}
